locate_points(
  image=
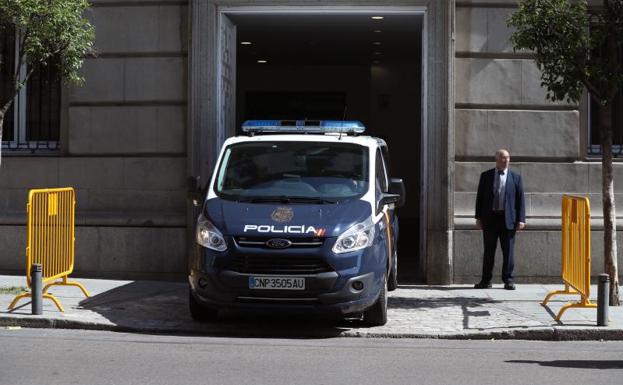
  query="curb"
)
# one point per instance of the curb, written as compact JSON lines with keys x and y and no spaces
{"x":556,"y":333}
{"x":51,"y":323}
{"x":536,"y":334}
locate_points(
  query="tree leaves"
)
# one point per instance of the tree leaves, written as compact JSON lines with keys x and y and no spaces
{"x":50,"y":28}
{"x":49,"y":31}
{"x":573,"y":46}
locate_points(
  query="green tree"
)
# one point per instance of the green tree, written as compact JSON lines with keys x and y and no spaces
{"x":578,"y":48}
{"x":50,"y":32}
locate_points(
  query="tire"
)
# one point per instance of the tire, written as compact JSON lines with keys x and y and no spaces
{"x":392,"y":281}
{"x":376,"y":315}
{"x":200,"y":313}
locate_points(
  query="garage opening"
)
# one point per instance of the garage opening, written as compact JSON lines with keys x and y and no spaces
{"x":316,"y":66}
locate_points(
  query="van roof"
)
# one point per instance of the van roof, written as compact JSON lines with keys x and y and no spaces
{"x":367,"y":141}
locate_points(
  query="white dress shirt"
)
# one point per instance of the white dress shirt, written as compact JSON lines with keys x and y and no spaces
{"x":499,"y":185}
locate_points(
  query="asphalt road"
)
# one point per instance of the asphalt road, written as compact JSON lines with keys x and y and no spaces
{"x":44,"y":356}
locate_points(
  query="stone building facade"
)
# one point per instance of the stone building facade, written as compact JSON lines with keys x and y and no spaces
{"x":157,"y":103}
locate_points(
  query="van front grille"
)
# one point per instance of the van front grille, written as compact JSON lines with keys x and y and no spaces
{"x":277,"y":265}
{"x":295,"y":242}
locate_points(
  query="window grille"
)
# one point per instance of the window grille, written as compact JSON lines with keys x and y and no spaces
{"x":593,"y":118}
{"x":594,"y":141}
{"x":32,"y":123}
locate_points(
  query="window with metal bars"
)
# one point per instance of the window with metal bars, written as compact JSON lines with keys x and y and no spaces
{"x":594,"y":146}
{"x":32,"y":123}
{"x":593,"y":119}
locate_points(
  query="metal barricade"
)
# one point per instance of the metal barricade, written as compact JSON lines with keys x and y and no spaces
{"x":576,"y":252}
{"x":51,"y":214}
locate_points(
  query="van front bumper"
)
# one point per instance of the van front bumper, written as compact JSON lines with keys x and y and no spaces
{"x":228,"y":289}
{"x":214,"y":285}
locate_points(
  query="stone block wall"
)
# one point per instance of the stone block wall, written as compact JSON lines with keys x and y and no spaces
{"x":124,"y":144}
{"x":500,"y":104}
{"x":123,"y":149}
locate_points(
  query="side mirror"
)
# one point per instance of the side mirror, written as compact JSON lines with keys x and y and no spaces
{"x":397,"y":187}
{"x":194,"y":190}
{"x":387,"y":199}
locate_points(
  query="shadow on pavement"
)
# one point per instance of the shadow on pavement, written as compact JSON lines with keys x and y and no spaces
{"x":440,"y":288}
{"x":465,"y":303}
{"x":551,"y":313}
{"x":19,"y":307}
{"x":396,"y":302}
{"x":155,"y":307}
{"x":577,"y":364}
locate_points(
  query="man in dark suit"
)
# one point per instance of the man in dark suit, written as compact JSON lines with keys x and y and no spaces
{"x":500,"y":212}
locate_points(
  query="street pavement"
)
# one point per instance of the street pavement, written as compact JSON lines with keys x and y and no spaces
{"x":416,"y":311}
{"x":48,"y":356}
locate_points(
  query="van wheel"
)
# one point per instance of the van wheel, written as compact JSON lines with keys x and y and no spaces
{"x":376,"y":315}
{"x":392,"y":281}
{"x":200,"y":313}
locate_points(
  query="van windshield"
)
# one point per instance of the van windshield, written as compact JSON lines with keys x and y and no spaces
{"x":290,"y":171}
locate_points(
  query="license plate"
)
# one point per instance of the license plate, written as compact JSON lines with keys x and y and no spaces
{"x":277,"y":283}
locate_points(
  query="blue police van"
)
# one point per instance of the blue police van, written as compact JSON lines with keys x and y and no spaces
{"x":298,"y":215}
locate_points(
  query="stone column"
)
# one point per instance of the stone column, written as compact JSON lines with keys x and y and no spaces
{"x":202,"y":58}
{"x":201,"y":128}
{"x":438,"y":165}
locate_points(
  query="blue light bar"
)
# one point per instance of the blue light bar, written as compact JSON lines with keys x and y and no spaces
{"x":303,"y":126}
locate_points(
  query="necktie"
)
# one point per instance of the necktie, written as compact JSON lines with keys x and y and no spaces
{"x":498,"y":190}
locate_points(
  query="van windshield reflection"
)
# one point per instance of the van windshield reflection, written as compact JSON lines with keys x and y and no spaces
{"x":293,"y":172}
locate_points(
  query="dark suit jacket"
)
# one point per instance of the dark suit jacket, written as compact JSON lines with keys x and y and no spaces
{"x":514,"y":203}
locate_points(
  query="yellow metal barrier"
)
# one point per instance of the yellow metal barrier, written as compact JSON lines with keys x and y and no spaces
{"x":576,"y":252}
{"x":51,"y":214}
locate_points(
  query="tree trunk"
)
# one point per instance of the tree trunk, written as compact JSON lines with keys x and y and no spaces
{"x":609,"y":211}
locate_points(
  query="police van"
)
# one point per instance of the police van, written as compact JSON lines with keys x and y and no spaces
{"x":298,"y":215}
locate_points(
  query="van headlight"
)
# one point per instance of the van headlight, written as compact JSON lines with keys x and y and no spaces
{"x":209,"y":236}
{"x":357,"y":237}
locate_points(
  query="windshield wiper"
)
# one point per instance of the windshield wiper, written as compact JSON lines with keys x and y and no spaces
{"x":286,"y":199}
{"x":279,"y":199}
{"x":313,"y":200}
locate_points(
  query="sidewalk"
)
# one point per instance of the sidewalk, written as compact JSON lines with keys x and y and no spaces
{"x":455,"y":311}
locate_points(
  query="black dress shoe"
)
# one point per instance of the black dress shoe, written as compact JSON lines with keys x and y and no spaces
{"x":482,"y":285}
{"x":509,"y":286}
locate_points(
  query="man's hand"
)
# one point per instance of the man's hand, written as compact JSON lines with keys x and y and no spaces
{"x":479,"y":224}
{"x":521,"y":226}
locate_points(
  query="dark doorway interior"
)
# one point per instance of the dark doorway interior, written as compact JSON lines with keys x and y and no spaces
{"x":341,"y":66}
{"x":294,"y":105}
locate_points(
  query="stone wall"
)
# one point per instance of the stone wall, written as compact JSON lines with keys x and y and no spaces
{"x":500,"y":103}
{"x":123,"y":149}
{"x":125,"y":142}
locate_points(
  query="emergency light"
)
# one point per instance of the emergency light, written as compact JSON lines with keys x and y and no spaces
{"x":352,"y":127}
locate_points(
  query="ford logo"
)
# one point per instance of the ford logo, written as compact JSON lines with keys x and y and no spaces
{"x":278,"y":243}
